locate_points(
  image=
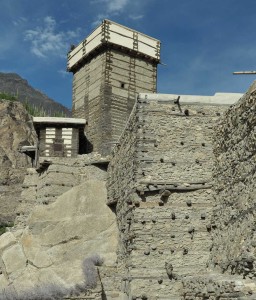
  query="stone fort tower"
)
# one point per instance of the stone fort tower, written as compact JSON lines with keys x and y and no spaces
{"x":111,"y":66}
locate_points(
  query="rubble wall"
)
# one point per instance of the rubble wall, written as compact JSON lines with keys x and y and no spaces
{"x":234,"y":237}
{"x":217,"y":287}
{"x":231,"y":267}
{"x":164,"y":209}
{"x":121,"y":186}
{"x":121,"y":171}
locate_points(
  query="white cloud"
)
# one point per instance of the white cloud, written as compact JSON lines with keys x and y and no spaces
{"x":63,"y":73}
{"x":99,"y":19}
{"x":116,"y":5}
{"x":136,"y":17}
{"x":45,"y":40}
{"x":19,"y":21}
{"x":111,"y":7}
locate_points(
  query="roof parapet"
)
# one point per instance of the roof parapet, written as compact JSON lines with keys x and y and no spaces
{"x":217,"y":98}
{"x":111,"y":33}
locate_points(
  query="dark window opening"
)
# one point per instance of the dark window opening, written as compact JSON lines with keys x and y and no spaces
{"x":58,"y":147}
{"x":85,"y":146}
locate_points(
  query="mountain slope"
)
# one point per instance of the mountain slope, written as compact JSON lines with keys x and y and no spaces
{"x":13,"y":84}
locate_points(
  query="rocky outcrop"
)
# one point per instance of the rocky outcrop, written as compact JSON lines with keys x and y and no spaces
{"x":16,"y":130}
{"x":58,"y":237}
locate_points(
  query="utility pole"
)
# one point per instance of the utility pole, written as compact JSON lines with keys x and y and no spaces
{"x":245,"y":73}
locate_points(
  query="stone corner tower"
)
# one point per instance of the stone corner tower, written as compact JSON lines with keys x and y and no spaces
{"x":110,"y":67}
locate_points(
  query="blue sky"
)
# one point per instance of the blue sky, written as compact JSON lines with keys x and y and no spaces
{"x":203,"y":41}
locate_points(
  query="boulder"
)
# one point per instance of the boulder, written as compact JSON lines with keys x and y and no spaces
{"x":59,"y":236}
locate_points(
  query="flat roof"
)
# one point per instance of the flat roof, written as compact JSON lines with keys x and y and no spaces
{"x":56,"y":120}
{"x":217,"y":98}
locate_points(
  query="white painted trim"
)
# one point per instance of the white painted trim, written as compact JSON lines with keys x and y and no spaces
{"x":55,"y":120}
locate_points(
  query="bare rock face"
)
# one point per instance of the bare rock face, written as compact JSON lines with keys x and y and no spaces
{"x":59,"y":236}
{"x":16,"y":129}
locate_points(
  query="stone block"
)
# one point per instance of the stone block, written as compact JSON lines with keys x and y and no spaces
{"x":7,"y":239}
{"x":14,"y":259}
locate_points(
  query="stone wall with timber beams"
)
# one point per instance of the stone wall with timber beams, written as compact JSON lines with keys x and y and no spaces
{"x":104,"y":92}
{"x":160,"y":182}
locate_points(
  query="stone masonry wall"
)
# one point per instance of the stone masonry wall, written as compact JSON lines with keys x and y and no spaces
{"x":217,"y":287}
{"x":234,"y":237}
{"x":164,"y":209}
{"x":232,"y":266}
{"x":88,"y":84}
{"x":126,"y":76}
{"x":121,"y":184}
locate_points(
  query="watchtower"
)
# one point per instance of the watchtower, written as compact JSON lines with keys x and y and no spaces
{"x":111,"y":66}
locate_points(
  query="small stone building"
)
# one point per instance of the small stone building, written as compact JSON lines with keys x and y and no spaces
{"x":60,"y":137}
{"x":111,"y":66}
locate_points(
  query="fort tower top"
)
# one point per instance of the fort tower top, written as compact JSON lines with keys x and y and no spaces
{"x":111,"y":66}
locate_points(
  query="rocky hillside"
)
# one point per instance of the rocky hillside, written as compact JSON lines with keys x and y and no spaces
{"x":13,"y":84}
{"x":16,"y":129}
